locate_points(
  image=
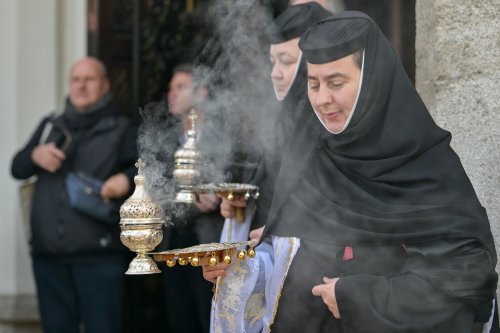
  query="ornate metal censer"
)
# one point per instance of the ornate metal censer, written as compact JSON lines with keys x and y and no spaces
{"x":187,"y":161}
{"x":141,"y":218}
{"x":140,"y":223}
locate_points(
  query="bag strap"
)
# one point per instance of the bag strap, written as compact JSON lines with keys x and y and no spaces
{"x":45,"y":133}
{"x":47,"y":128}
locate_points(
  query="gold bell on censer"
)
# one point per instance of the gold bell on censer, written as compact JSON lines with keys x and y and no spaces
{"x":183,"y":261}
{"x":241,"y":255}
{"x":251,"y":253}
{"x":187,"y":161}
{"x":213,"y":261}
{"x":140,"y":224}
{"x":227,"y":259}
{"x":195,"y":261}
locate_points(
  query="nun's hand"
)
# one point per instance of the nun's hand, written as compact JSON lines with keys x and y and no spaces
{"x":207,"y":202}
{"x":227,"y":206}
{"x":255,"y":235}
{"x":212,"y":273}
{"x":327,"y":293}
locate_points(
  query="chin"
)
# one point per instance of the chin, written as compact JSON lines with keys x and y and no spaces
{"x":335,"y":128}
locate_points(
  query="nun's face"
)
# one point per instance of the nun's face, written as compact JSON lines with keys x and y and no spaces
{"x":332,"y":90}
{"x":284,"y":58}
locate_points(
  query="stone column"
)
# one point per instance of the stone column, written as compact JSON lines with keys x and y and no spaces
{"x":458,"y":77}
{"x":39,"y":41}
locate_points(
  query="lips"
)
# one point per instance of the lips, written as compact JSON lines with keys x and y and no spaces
{"x":280,"y":87}
{"x":331,"y":115}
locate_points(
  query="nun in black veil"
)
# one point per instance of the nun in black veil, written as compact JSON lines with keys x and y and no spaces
{"x":289,"y":80}
{"x":374,"y":225}
{"x":392,"y":235}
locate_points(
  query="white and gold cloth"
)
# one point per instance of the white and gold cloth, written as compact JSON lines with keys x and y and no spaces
{"x":247,"y":297}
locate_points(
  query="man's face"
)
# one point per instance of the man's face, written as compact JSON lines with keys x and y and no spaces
{"x":332,"y":90}
{"x":284,"y":58}
{"x":180,"y":93}
{"x":87,"y":84}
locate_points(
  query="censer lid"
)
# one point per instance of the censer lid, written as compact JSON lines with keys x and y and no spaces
{"x":139,"y":208}
{"x":188,"y":153}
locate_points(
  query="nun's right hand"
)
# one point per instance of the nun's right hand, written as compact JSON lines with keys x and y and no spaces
{"x":212,"y":273}
{"x":227,"y":206}
{"x":255,"y":235}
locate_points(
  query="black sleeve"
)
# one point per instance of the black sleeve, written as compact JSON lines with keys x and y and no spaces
{"x":22,"y":166}
{"x":427,"y":295}
{"x":405,"y":303}
{"x":266,"y":191}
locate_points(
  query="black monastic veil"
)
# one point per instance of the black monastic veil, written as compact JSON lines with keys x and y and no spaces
{"x":390,"y":177}
{"x":293,"y":22}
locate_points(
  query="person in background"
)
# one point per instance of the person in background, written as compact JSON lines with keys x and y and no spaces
{"x":187,"y":294}
{"x":374,"y":225}
{"x":78,"y":260}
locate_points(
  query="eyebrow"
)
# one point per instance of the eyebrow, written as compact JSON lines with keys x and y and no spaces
{"x":282,"y":53}
{"x":329,"y":77}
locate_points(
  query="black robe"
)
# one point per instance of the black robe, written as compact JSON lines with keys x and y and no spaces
{"x":385,"y":205}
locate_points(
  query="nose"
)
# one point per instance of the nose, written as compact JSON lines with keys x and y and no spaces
{"x":323,"y":97}
{"x":80,"y":84}
{"x":171,"y":95}
{"x":276,"y":73}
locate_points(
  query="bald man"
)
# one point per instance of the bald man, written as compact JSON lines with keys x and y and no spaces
{"x":78,"y":259}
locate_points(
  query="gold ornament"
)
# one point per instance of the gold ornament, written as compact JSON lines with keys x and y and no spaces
{"x":213,"y":261}
{"x":230,"y":197}
{"x":171,"y":262}
{"x":251,"y":253}
{"x":227,"y":259}
{"x":183,"y":261}
{"x":241,"y":255}
{"x":195,"y":261}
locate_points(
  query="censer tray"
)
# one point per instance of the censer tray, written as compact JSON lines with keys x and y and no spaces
{"x":202,"y":250}
{"x":226,"y":187}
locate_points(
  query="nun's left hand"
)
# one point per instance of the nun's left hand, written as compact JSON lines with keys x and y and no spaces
{"x":327,"y":293}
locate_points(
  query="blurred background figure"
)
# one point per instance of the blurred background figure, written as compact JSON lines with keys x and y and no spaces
{"x":78,"y":259}
{"x":187,"y":294}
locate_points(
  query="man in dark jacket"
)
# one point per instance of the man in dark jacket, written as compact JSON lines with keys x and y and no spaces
{"x":162,"y":132}
{"x":78,"y":260}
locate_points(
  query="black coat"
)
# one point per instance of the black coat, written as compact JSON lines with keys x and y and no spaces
{"x":103,"y":148}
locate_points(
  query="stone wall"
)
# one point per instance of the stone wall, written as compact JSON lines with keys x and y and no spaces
{"x":458,"y":77}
